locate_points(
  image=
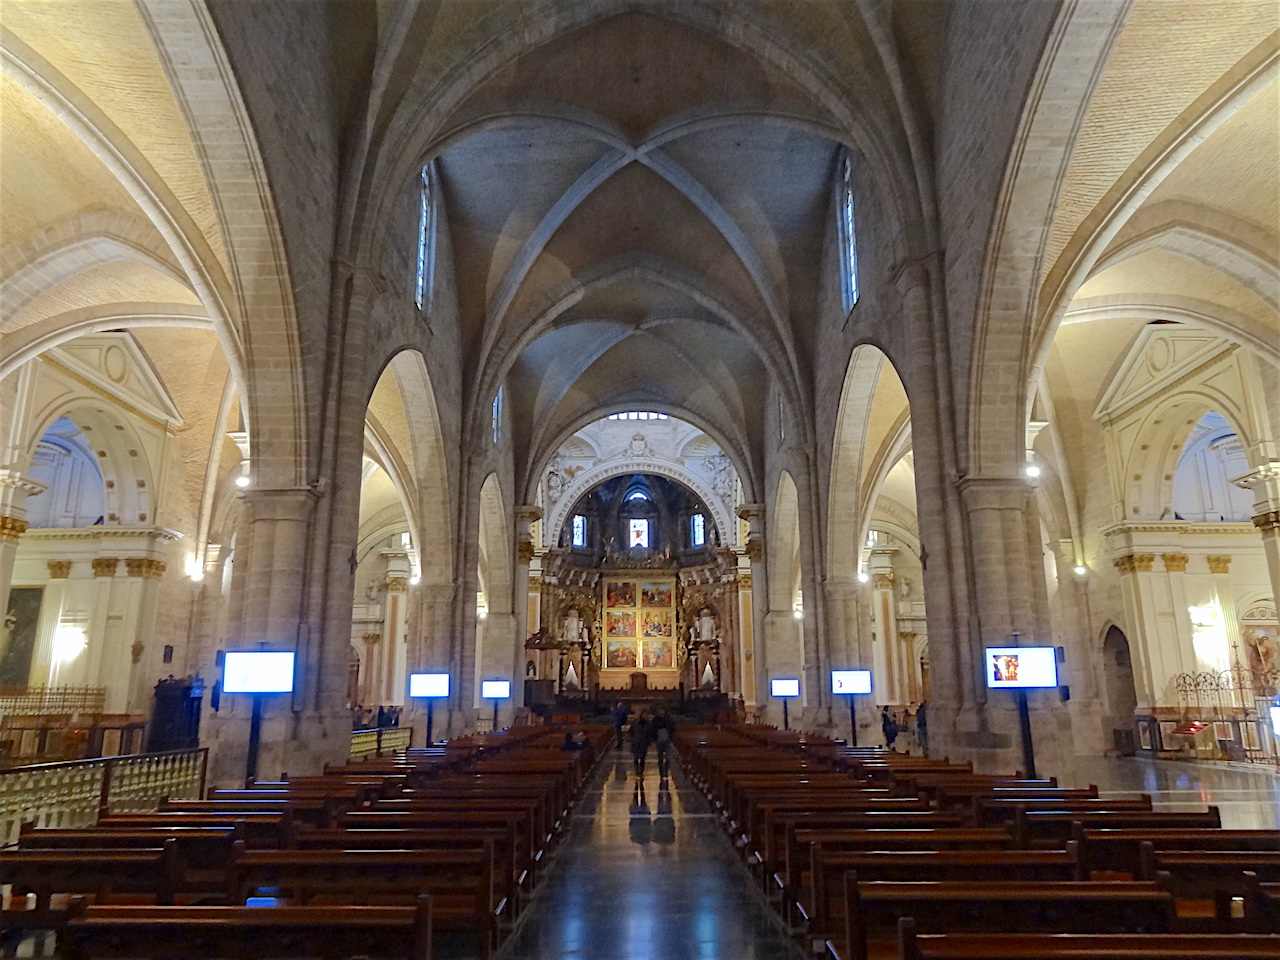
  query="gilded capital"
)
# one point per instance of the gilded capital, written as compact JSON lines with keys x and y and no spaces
{"x":1135,"y":562}
{"x":1268,"y":522}
{"x":755,"y":549}
{"x":104,"y":566}
{"x":1175,"y":562}
{"x":11,"y":528}
{"x":1219,"y":564}
{"x":371,"y":638}
{"x":59,"y":569}
{"x":397,"y":584}
{"x":744,"y":581}
{"x":882,"y":581}
{"x":145,"y":567}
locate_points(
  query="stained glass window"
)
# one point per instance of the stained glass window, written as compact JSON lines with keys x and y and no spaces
{"x":848,"y":236}
{"x":426,"y":239}
{"x":639,"y":534}
{"x":579,"y":530}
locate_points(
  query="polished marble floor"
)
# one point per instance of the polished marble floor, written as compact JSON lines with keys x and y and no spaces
{"x":645,"y":874}
{"x":1247,"y":795}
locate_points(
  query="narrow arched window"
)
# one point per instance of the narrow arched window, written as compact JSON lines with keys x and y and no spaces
{"x":848,"y":237}
{"x":426,"y":238}
{"x":496,"y":416}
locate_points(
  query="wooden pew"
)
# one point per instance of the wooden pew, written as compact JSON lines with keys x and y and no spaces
{"x":258,"y":829}
{"x":872,"y":909}
{"x":820,"y":901}
{"x":1053,"y":828}
{"x":1121,"y":946}
{"x":1115,"y":850}
{"x":248,"y":933}
{"x":153,"y":872}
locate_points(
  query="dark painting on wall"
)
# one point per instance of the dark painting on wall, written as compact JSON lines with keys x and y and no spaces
{"x":18,"y":635}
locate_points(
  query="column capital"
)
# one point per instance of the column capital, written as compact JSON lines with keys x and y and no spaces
{"x":1135,"y":562}
{"x":145,"y":567}
{"x":104,"y":566}
{"x":750,"y":511}
{"x":882,"y":580}
{"x":280,"y":503}
{"x":59,"y":569}
{"x":1219,"y":564}
{"x":1175,"y":562}
{"x":15,"y":488}
{"x":11,"y":528}
{"x":1268,"y":522}
{"x":993,"y":493}
{"x":397,"y":584}
{"x":1269,"y":471}
{"x":755,"y":549}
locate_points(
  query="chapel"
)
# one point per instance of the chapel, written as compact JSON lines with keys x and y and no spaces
{"x":643,"y":349}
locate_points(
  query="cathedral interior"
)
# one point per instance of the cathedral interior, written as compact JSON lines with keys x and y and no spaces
{"x":644,"y":348}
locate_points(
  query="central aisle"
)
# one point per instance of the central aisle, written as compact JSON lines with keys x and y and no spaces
{"x":645,"y":874}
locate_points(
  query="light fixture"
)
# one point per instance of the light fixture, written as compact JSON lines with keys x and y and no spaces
{"x":414,"y":580}
{"x":1032,"y":470}
{"x":1081,"y":570}
{"x":195,"y":569}
{"x":482,"y":614}
{"x":798,"y":613}
{"x":68,"y":642}
{"x":864,"y":577}
{"x":242,"y":480}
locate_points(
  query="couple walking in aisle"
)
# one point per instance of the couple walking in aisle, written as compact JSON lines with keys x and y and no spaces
{"x":656,"y":731}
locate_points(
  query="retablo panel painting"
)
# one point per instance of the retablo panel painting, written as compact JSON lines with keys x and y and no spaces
{"x":18,"y":635}
{"x":657,"y":623}
{"x":620,"y":654}
{"x":657,"y":594}
{"x":620,"y":593}
{"x":619,"y":624}
{"x":659,"y":654}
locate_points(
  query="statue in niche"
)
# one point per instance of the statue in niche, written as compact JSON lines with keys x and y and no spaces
{"x":572,"y":628}
{"x":706,"y":624}
{"x":903,"y":588}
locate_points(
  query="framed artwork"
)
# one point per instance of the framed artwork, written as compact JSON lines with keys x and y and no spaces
{"x":620,"y":593}
{"x":1222,"y":731}
{"x":657,"y":594}
{"x":620,"y":653}
{"x":619,"y":624}
{"x":18,"y":635}
{"x":659,"y":654}
{"x":657,"y":623}
{"x":1144,"y":735}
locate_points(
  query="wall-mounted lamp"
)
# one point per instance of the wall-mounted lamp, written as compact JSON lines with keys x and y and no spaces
{"x":1081,"y":570}
{"x":242,"y":481}
{"x":864,"y":577}
{"x":1032,"y":470}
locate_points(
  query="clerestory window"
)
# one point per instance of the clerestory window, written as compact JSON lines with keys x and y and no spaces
{"x":426,"y":238}
{"x":848,"y":237}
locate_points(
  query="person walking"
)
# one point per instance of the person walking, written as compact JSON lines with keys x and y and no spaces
{"x":889,"y":727}
{"x":663,"y":731}
{"x":641,"y":737}
{"x":620,"y":713}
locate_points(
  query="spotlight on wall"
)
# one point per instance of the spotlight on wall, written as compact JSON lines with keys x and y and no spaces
{"x":242,"y":480}
{"x":1032,"y":470}
{"x":1081,"y":570}
{"x":798,"y":613}
{"x":414,"y":581}
{"x":864,"y":577}
{"x":68,"y":642}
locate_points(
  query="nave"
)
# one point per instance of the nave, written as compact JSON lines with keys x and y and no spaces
{"x":646,"y":873}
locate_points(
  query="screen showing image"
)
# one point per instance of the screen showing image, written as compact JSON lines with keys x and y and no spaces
{"x":257,"y":671}
{"x":1021,"y":667}
{"x":495,"y":689}
{"x":784,"y":688}
{"x":428,"y":684}
{"x":850,"y":681}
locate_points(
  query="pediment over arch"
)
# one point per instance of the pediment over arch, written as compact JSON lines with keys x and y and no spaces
{"x":1161,"y":355}
{"x":114,"y":365}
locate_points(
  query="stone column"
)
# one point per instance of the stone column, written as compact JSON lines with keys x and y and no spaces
{"x":1181,"y":657}
{"x":372,"y":670}
{"x":14,"y":490}
{"x":45,"y":665}
{"x":1225,"y":600}
{"x":1150,"y":671}
{"x":1265,"y":484}
{"x":755,"y":673}
{"x":393,"y":627}
{"x":104,"y":571}
{"x":526,"y":515}
{"x":143,"y":649}
{"x":890,"y":679}
{"x":1003,"y":525}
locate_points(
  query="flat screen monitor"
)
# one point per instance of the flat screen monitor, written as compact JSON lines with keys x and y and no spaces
{"x":428,"y":684}
{"x":1021,"y":667}
{"x":850,"y":681}
{"x":785,"y":688}
{"x":257,"y":671}
{"x":495,"y":689}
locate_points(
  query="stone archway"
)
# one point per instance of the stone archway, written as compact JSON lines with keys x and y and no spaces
{"x":1121,"y":693}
